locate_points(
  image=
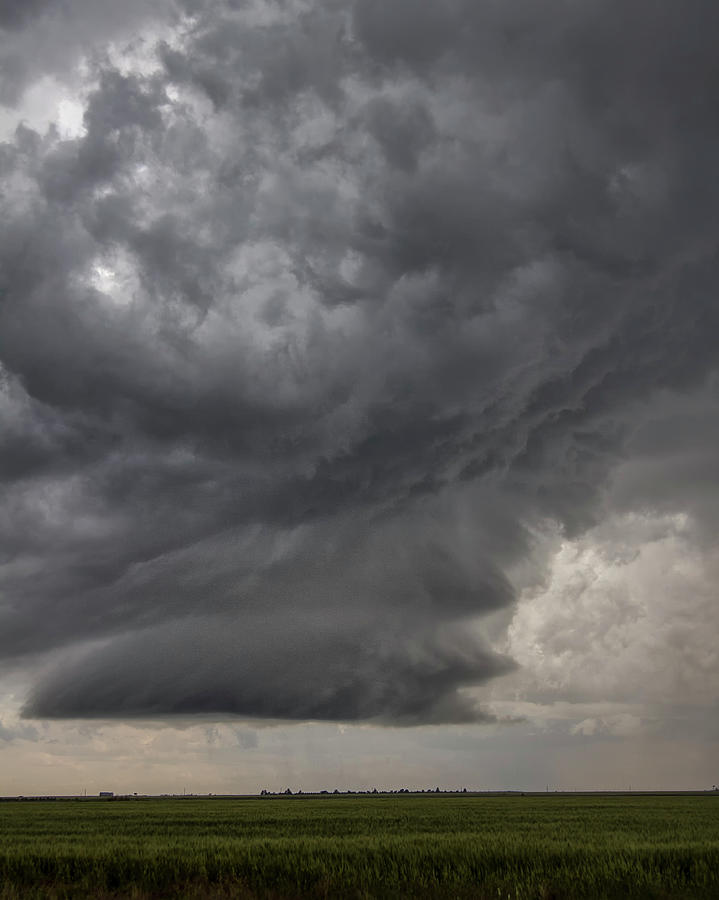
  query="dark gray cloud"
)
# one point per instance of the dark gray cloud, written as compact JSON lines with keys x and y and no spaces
{"x":326,"y":310}
{"x":16,"y":13}
{"x":307,"y":667}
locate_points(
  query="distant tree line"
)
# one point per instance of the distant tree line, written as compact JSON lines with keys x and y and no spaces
{"x":290,"y":792}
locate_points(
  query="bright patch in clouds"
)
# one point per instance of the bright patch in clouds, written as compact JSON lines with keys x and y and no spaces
{"x":69,"y":118}
{"x":115,"y":277}
{"x":46,"y":103}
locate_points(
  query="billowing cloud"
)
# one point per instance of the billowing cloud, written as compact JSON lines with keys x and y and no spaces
{"x":321,"y":327}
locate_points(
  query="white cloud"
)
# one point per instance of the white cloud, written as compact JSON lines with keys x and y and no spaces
{"x":46,"y":103}
{"x":627,"y":614}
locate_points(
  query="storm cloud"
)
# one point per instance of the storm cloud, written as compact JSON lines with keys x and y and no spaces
{"x":325,"y":314}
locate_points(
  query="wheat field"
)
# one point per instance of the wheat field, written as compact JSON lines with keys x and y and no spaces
{"x":514,"y":846}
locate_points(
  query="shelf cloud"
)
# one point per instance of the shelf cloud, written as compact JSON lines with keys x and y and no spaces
{"x":328,"y":313}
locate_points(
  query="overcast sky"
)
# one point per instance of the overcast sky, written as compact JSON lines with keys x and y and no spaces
{"x":358,"y":394}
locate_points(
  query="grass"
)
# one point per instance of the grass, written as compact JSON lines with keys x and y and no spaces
{"x":514,"y":847}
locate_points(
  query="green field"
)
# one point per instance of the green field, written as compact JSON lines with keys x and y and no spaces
{"x":541,"y":846}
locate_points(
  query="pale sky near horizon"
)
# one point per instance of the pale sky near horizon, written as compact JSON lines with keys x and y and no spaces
{"x":359,"y":406}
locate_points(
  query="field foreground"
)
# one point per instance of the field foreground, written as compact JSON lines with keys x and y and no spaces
{"x":553,"y":846}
